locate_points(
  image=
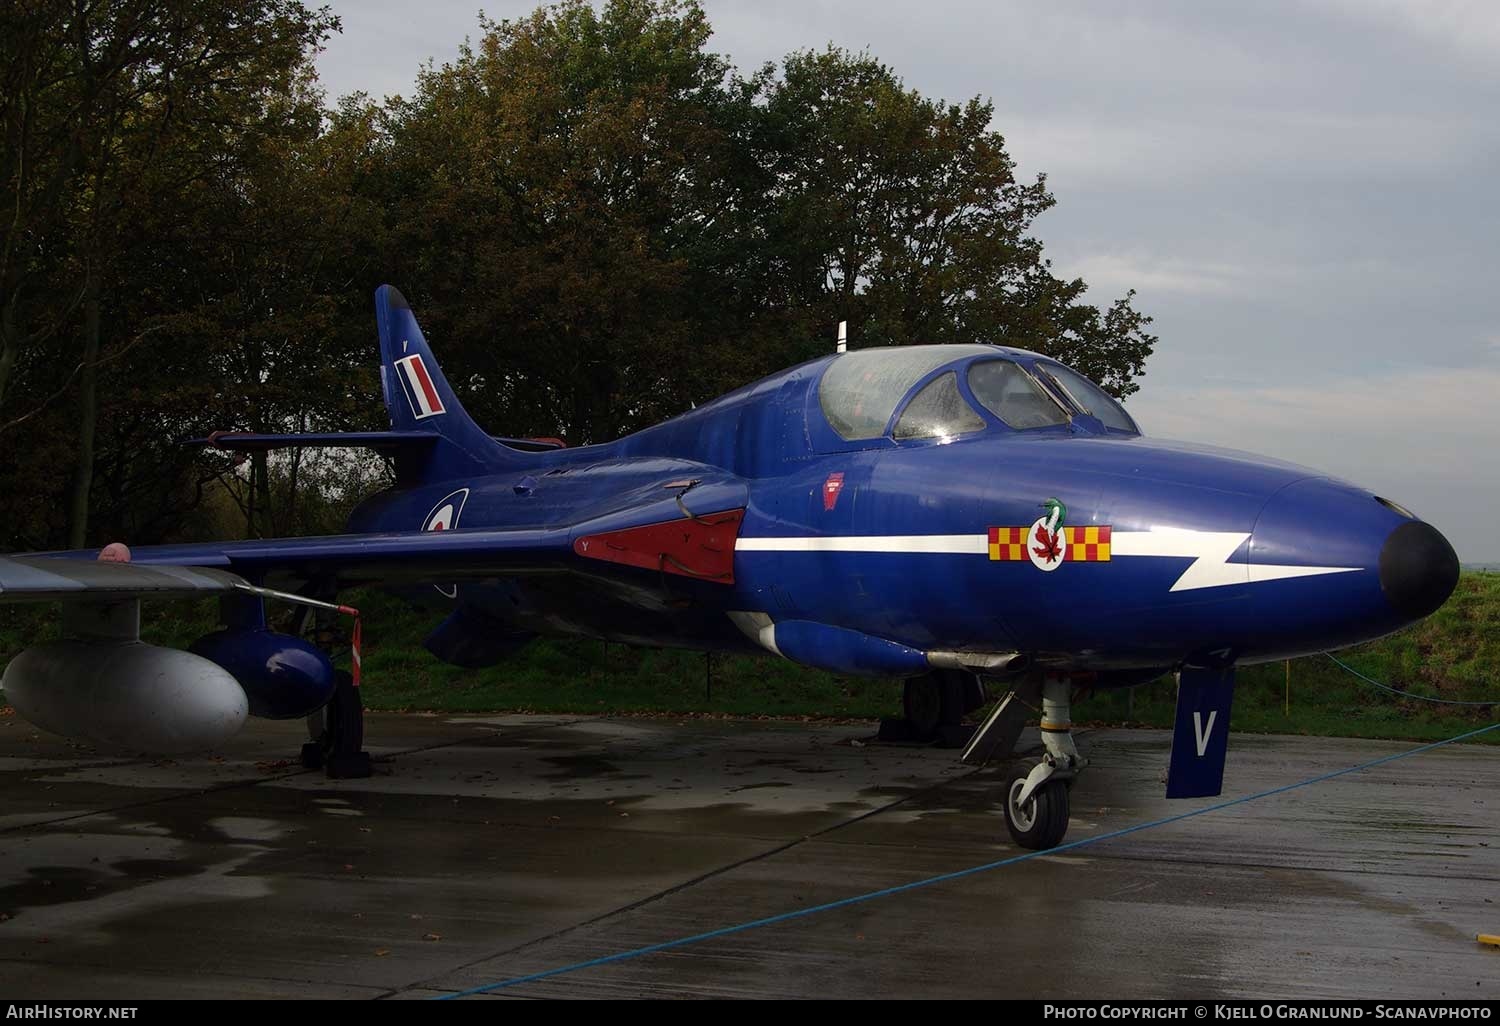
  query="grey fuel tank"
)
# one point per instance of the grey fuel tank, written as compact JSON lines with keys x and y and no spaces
{"x":126,"y":695}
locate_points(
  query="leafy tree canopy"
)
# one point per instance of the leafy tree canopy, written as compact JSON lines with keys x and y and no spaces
{"x":599,"y":219}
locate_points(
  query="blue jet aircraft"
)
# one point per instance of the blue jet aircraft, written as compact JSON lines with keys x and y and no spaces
{"x":943,"y":514}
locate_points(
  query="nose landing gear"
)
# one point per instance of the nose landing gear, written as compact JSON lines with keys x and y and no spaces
{"x":1036,"y":790}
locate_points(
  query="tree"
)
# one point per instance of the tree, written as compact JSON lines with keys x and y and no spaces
{"x":600,"y":221}
{"x":567,"y":188}
{"x":150,"y":114}
{"x":259,"y":274}
{"x":130,"y":107}
{"x":903,"y":216}
{"x":605,"y":222}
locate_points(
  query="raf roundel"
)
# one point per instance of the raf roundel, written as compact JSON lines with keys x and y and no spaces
{"x":441,"y":520}
{"x":444,"y":517}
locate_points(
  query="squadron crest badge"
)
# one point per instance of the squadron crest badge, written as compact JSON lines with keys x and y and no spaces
{"x":1049,"y":542}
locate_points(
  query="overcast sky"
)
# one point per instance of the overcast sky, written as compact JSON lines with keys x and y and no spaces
{"x":1305,"y":195}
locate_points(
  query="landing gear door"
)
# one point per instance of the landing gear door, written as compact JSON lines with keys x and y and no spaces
{"x":1200,"y":739}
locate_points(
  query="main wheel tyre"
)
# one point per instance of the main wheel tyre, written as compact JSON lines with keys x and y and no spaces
{"x":1042,"y":821}
{"x":336,"y":748}
{"x":934,"y":702}
{"x":922,"y":702}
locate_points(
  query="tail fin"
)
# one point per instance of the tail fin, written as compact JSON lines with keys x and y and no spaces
{"x":419,"y":398}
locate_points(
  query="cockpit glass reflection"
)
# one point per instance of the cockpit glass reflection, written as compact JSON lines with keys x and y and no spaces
{"x":1007,"y":391}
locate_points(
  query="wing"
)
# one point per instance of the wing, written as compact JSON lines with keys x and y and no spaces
{"x":43,"y":579}
{"x":397,"y":557}
{"x":688,"y":534}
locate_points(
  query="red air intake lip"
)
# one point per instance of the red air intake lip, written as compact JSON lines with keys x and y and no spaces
{"x":701,"y":547}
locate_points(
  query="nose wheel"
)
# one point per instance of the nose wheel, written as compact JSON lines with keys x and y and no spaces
{"x":1040,"y":820}
{"x":1035,"y":793}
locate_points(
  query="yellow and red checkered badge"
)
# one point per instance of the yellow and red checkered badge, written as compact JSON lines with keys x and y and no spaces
{"x":1081,"y":544}
{"x":1088,"y":544}
{"x":1008,"y":542}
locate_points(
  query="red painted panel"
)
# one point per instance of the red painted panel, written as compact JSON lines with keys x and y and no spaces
{"x":433,"y":402}
{"x":831,"y":489}
{"x":701,"y":547}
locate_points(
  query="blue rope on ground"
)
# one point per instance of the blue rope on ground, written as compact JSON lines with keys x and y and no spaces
{"x":958,"y":875}
{"x":1396,"y":691}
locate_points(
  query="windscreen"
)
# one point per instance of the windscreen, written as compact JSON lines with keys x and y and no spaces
{"x":1091,"y":398}
{"x":1007,"y":391}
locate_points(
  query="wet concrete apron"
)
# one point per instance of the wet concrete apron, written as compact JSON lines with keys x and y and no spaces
{"x":488,"y":847}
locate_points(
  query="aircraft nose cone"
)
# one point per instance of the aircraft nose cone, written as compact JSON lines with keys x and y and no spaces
{"x":1418,"y":569}
{"x":1333,"y":565}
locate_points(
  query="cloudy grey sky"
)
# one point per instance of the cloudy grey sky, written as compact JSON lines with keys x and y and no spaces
{"x":1304,"y":193}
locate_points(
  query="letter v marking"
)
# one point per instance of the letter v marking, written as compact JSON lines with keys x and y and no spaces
{"x":1200,"y":734}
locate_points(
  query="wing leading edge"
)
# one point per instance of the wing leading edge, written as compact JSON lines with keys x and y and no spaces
{"x":49,"y":579}
{"x":404,"y":557}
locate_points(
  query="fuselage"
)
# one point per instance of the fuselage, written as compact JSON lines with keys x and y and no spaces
{"x":1075,"y":541}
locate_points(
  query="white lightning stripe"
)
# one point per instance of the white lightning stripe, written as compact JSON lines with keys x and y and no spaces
{"x":1212,"y":551}
{"x":1209,"y":550}
{"x":954,"y":544}
{"x":1273,"y":572}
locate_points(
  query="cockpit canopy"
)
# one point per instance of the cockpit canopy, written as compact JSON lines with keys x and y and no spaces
{"x":861,"y":392}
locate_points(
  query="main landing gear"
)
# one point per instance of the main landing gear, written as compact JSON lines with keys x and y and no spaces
{"x":338,"y":729}
{"x":934,"y":706}
{"x":338,"y":734}
{"x":1036,"y":790}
